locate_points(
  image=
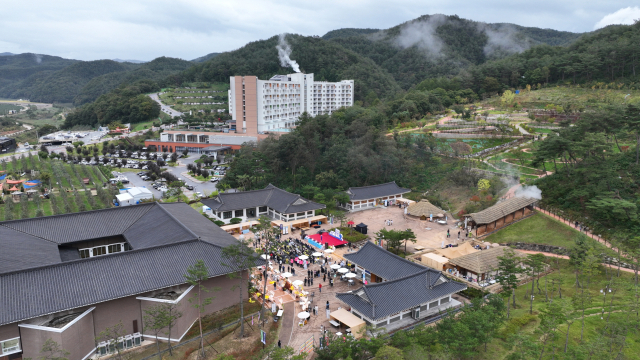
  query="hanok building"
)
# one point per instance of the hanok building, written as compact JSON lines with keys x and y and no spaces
{"x":70,"y":277}
{"x":409,"y":291}
{"x":479,"y":265}
{"x":270,"y":201}
{"x":500,"y":215}
{"x":366,"y":197}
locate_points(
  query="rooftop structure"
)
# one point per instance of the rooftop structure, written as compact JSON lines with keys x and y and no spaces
{"x":480,"y":264}
{"x":110,"y":263}
{"x":424,"y":209}
{"x":270,"y":201}
{"x":501,"y":214}
{"x":398,"y":289}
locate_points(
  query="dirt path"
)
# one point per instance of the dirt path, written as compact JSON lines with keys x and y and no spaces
{"x":612,"y":267}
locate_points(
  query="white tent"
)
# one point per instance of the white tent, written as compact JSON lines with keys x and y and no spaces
{"x":125,"y":199}
{"x":140,"y":193}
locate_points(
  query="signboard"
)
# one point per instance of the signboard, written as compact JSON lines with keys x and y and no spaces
{"x":307,"y":346}
{"x":263,"y":337}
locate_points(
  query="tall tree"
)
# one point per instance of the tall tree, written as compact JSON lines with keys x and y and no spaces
{"x":196,"y":275}
{"x":535,"y":265}
{"x":239,"y":258}
{"x":508,"y":271}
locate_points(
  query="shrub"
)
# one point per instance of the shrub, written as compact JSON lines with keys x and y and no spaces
{"x":235,"y":221}
{"x":515,"y":324}
{"x":219,"y":222}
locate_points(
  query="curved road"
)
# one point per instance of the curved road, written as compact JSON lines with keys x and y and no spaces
{"x":165,"y":108}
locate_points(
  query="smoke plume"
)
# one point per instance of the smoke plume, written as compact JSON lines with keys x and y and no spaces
{"x":37,"y":58}
{"x":529,"y":191}
{"x":423,"y":34}
{"x":503,"y":39}
{"x":284,"y":50}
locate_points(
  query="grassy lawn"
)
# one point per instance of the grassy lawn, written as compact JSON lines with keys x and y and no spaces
{"x":142,"y":126}
{"x":563,"y":281}
{"x":537,"y":229}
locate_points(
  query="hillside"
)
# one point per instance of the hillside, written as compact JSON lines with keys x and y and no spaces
{"x":156,"y":70}
{"x":598,"y":58}
{"x":205,"y":57}
{"x":438,"y":45}
{"x":60,"y":80}
{"x":326,"y":59}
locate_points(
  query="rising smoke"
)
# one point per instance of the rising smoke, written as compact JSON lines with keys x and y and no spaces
{"x":37,"y":58}
{"x":529,"y":191}
{"x":284,"y":50}
{"x":501,"y":38}
{"x":505,"y":38}
{"x":423,"y":34}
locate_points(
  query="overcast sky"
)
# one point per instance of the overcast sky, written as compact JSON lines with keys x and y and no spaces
{"x":145,"y":29}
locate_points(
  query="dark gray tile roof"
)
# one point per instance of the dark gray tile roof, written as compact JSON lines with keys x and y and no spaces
{"x":375,"y":191}
{"x":81,"y":226}
{"x":158,"y":227}
{"x":20,"y":251}
{"x":271,"y":196}
{"x":383,"y":263}
{"x":501,"y":209}
{"x":402,"y":294}
{"x":39,"y":276}
{"x":202,"y":227}
{"x":50,"y":289}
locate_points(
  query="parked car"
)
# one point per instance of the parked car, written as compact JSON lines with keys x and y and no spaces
{"x":189,"y":187}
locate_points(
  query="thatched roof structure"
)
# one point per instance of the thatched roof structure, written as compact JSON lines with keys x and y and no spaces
{"x":501,"y":210}
{"x":482,"y":261}
{"x":424,"y":208}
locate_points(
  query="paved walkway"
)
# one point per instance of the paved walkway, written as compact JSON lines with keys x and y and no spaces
{"x":288,"y":319}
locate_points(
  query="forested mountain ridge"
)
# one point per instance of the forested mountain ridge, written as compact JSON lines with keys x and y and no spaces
{"x":438,"y":45}
{"x":608,"y":55}
{"x":326,"y":59}
{"x":54,"y":79}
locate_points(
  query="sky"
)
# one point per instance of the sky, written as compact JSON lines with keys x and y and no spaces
{"x":187,"y":29}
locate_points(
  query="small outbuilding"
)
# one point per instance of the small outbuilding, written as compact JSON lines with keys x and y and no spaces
{"x":500,"y":215}
{"x":362,"y":228}
{"x":424,"y":210}
{"x":481,"y":265}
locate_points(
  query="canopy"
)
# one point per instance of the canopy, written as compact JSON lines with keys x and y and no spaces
{"x":265,"y":256}
{"x":287,"y":274}
{"x":335,"y":266}
{"x":325,"y":238}
{"x":348,"y":319}
{"x":303,"y":257}
{"x":328,"y":251}
{"x":343,"y":270}
{"x":350,"y":275}
{"x":298,"y":283}
{"x":350,"y":223}
{"x":303,"y":315}
{"x":433,"y":260}
{"x":13,"y":188}
{"x":456,"y":252}
{"x":317,"y":254}
{"x":14,"y":181}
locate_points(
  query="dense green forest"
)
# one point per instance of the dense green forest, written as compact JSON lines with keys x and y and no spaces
{"x":54,"y":79}
{"x":158,"y":70}
{"x":608,"y":55}
{"x":439,"y":45}
{"x":126,"y":104}
{"x":327,"y":60}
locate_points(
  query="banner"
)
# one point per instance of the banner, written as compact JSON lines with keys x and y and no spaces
{"x":263,"y":337}
{"x":307,"y":346}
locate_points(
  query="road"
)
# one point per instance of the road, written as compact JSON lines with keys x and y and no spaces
{"x":181,"y":168}
{"x":165,"y":108}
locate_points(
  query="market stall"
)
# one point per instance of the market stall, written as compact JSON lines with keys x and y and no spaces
{"x":353,"y":324}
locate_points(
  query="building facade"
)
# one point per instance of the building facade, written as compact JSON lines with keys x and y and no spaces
{"x":200,"y":142}
{"x":500,"y":215}
{"x":274,"y":105}
{"x":53,"y":288}
{"x":270,"y":201}
{"x":367,"y":197}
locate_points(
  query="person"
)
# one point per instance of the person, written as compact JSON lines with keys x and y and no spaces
{"x":324,"y":277}
{"x":316,"y":309}
{"x":274,"y":284}
{"x":458,"y":234}
{"x":305,"y":281}
{"x":448,"y":233}
{"x":320,"y":288}
{"x":279,"y":344}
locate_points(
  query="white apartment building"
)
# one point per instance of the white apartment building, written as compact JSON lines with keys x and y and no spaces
{"x":275,"y":104}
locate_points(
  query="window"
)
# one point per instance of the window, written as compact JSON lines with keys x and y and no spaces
{"x":226,"y":215}
{"x":99,"y":250}
{"x":262,"y":209}
{"x":10,"y":346}
{"x":85,"y":253}
{"x":115,"y":248}
{"x":300,"y":214}
{"x":238,"y":213}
